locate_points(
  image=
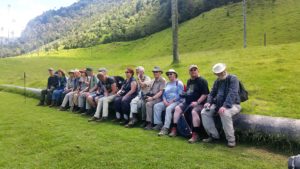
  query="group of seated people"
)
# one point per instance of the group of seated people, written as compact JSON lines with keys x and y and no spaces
{"x":158,"y":102}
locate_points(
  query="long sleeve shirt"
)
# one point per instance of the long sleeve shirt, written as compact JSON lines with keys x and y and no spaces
{"x":225,"y":92}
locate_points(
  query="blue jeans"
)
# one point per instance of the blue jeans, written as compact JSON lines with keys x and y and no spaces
{"x":56,"y":96}
{"x":159,"y":108}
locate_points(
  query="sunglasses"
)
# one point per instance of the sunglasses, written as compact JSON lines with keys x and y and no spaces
{"x":155,"y":71}
{"x":169,"y":74}
{"x":127,"y":72}
{"x":193,"y":70}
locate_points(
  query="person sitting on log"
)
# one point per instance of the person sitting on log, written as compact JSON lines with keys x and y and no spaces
{"x":223,"y":99}
{"x":57,"y":93}
{"x":52,"y":84}
{"x":194,"y":99}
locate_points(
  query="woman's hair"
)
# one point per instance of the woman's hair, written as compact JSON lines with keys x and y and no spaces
{"x":130,"y":71}
{"x":62,"y":72}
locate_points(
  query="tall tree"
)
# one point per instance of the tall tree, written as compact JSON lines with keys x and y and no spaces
{"x":175,"y":31}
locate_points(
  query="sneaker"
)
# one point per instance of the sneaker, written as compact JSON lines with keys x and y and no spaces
{"x":209,"y":140}
{"x":103,"y":119}
{"x":157,"y":127}
{"x":231,"y":144}
{"x":93,"y":119}
{"x":62,"y":109}
{"x":194,"y":138}
{"x":163,"y":131}
{"x":173,"y":132}
{"x":84,"y":114}
{"x":148,"y":126}
{"x":131,"y":123}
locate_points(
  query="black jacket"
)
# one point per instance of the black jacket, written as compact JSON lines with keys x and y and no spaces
{"x":52,"y":82}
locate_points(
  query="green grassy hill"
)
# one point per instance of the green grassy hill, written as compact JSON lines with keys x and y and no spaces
{"x":269,"y":73}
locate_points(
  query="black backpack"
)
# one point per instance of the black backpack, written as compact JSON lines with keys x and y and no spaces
{"x":119,"y":81}
{"x":243,"y":93}
{"x":294,"y":162}
{"x":183,"y":127}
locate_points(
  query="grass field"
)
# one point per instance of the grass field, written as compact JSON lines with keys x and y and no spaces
{"x":40,"y":137}
{"x":35,"y":137}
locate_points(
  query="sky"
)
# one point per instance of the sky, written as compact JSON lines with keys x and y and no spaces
{"x":15,"y":14}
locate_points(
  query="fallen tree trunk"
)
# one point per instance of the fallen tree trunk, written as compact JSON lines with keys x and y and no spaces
{"x":255,"y":128}
{"x":32,"y":92}
{"x":278,"y":127}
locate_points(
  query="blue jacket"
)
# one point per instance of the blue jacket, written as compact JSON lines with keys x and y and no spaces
{"x":225,"y":92}
{"x":62,"y":81}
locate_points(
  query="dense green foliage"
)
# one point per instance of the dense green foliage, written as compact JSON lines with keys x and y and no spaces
{"x":90,"y":22}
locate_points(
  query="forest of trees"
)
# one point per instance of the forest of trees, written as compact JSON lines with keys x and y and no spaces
{"x":91,"y":22}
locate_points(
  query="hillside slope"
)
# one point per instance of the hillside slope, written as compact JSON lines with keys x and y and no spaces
{"x":279,"y":19}
{"x":269,"y":73}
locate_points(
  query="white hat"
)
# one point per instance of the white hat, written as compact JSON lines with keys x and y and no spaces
{"x":102,"y":70}
{"x":140,"y":68}
{"x":171,"y":71}
{"x":219,"y":68}
{"x":193,"y":66}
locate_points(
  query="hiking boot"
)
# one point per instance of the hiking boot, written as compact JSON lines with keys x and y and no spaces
{"x":71,"y":109}
{"x":163,"y":131}
{"x":123,"y":122}
{"x":82,"y":110}
{"x":116,"y":120}
{"x":62,"y":109}
{"x":90,"y":112}
{"x":209,"y":140}
{"x":53,"y":103}
{"x":173,"y":132}
{"x":93,"y":119}
{"x":103,"y":119}
{"x":144,"y":124}
{"x":148,"y":126}
{"x":157,"y":127}
{"x":231,"y":144}
{"x":194,"y":138}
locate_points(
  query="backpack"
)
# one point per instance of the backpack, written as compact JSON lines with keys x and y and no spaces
{"x":294,"y":162}
{"x":119,"y":81}
{"x":243,"y":93}
{"x":183,"y":127}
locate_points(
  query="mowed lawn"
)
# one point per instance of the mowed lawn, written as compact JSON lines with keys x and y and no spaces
{"x":41,"y":137}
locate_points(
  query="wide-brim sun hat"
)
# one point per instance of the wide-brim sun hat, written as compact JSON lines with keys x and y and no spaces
{"x":157,"y":69}
{"x":171,"y":71}
{"x":219,"y":68}
{"x":71,"y":71}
